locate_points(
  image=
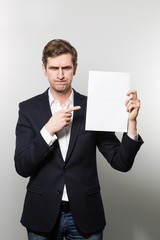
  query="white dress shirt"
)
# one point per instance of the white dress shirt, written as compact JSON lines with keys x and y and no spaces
{"x":63,"y":135}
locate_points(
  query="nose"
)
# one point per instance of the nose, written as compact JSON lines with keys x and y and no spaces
{"x":60,"y":73}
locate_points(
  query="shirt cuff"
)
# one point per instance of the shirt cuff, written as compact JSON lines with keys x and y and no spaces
{"x":47,"y":137}
{"x":135,"y":138}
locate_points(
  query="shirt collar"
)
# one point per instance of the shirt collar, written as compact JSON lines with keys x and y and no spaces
{"x":52,"y":100}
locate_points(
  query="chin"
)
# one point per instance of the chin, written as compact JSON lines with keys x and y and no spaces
{"x":63,"y":89}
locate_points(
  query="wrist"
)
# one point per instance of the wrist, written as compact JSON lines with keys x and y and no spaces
{"x":47,"y":136}
{"x":49,"y":130}
{"x":132,"y":127}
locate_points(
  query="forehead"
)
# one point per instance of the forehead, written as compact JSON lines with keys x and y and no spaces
{"x":61,"y":60}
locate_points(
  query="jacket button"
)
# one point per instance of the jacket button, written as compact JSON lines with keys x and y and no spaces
{"x":59,"y":191}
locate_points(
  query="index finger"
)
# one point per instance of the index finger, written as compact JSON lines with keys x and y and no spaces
{"x":73,"y":108}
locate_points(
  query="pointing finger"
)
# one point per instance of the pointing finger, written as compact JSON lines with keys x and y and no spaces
{"x":73,"y":109}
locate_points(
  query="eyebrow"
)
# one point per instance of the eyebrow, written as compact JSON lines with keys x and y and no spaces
{"x":65,"y":67}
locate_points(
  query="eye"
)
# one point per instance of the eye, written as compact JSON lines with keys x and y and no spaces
{"x":54,"y":68}
{"x":67,"y":67}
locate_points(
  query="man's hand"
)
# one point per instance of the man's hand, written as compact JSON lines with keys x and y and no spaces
{"x":132,"y":104}
{"x":60,"y":119}
{"x":132,"y":107}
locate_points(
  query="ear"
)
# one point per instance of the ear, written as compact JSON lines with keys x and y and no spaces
{"x":44,"y":70}
{"x":75,"y":69}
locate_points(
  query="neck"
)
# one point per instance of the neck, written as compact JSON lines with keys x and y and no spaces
{"x":61,"y":96}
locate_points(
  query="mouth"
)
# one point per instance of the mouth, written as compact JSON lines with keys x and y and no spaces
{"x":60,"y":82}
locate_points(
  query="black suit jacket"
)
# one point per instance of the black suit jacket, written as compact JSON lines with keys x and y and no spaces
{"x":48,"y":172}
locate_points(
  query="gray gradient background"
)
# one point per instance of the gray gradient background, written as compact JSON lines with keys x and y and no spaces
{"x":110,"y":35}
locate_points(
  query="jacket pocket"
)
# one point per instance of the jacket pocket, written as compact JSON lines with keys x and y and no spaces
{"x":35,"y":189}
{"x":93,"y":189}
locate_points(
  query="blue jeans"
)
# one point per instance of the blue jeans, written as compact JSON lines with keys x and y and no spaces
{"x":65,"y":227}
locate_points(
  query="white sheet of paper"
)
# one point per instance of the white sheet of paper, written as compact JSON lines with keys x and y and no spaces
{"x":106,"y":110}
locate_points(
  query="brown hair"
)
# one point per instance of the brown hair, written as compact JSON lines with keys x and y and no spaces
{"x":58,"y":47}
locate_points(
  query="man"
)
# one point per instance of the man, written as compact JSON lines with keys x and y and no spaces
{"x":54,"y":150}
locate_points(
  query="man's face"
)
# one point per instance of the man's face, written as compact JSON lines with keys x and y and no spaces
{"x":60,"y":72}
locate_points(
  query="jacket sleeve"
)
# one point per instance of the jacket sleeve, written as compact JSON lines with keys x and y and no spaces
{"x":120,"y":155}
{"x":31,"y":149}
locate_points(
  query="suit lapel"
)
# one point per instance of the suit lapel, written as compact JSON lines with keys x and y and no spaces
{"x":45,"y":114}
{"x":79,"y":100}
{"x":45,"y":111}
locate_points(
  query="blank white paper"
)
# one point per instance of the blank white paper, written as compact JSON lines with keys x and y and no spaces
{"x":106,"y":110}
